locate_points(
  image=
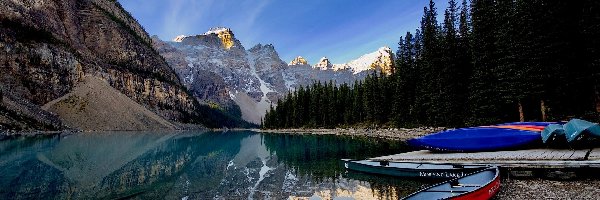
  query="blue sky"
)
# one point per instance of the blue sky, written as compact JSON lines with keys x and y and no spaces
{"x":339,"y":29}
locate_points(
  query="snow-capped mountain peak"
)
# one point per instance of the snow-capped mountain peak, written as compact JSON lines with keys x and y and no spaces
{"x":217,"y":30}
{"x":323,"y":64}
{"x":298,"y":61}
{"x":379,"y":60}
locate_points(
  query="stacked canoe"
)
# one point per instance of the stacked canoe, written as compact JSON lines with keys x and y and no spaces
{"x":572,"y":132}
{"x":483,"y":138}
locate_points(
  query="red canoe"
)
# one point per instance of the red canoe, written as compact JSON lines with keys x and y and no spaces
{"x":481,"y":185}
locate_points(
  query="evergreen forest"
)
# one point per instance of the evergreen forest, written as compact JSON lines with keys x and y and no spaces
{"x":482,"y":62}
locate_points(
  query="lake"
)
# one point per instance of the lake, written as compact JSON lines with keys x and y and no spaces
{"x":194,"y":165}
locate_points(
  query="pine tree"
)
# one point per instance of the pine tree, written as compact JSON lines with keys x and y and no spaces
{"x":429,"y":88}
{"x":450,"y":100}
{"x":405,"y":81}
{"x":483,"y":97}
{"x":590,"y":30}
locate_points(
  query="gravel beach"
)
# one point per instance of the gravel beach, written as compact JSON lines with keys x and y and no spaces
{"x":391,"y":134}
{"x":538,"y":188}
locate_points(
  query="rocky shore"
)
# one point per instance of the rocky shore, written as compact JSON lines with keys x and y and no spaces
{"x":539,"y":188}
{"x":390,"y":133}
{"x":8,"y":134}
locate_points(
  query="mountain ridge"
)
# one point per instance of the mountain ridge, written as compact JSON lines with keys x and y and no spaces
{"x":254,"y":78}
{"x":381,"y":60}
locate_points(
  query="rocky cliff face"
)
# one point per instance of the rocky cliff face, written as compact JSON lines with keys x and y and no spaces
{"x":48,"y":46}
{"x":225,"y":34}
{"x":219,"y":63}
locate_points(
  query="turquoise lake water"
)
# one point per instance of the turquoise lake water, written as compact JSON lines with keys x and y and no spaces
{"x":190,"y":165}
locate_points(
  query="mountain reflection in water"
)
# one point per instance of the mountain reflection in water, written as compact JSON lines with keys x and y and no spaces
{"x":187,"y":165}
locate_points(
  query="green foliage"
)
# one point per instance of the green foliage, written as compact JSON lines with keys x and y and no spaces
{"x":475,"y":68}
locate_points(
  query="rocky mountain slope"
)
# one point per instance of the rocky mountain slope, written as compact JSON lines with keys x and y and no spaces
{"x":95,"y":105}
{"x":47,"y":47}
{"x":219,"y":70}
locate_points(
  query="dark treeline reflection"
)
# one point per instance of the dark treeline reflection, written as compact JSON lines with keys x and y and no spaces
{"x":233,"y":165}
{"x":320,"y":155}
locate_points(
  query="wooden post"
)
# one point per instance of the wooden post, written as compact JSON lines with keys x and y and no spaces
{"x":543,"y":109}
{"x":521,"y":114}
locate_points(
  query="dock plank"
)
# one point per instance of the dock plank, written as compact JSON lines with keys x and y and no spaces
{"x":533,"y":158}
{"x":594,"y":154}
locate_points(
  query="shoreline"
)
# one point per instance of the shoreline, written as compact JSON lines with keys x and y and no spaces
{"x":6,"y":134}
{"x":402,"y":134}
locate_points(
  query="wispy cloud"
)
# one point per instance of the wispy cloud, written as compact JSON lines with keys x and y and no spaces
{"x":245,"y":21}
{"x":196,"y":16}
{"x":183,"y":16}
{"x":255,"y":12}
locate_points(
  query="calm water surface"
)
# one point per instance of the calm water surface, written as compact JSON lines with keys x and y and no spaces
{"x":210,"y":165}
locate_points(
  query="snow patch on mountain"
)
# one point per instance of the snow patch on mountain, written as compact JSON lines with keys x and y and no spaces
{"x":264,"y":102}
{"x":364,"y":62}
{"x":380,"y":58}
{"x":216,"y":30}
{"x":179,"y":38}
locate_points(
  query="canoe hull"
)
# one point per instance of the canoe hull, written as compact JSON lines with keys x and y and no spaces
{"x":554,"y":135}
{"x":577,"y":129}
{"x":484,"y":193}
{"x":446,"y":172}
{"x":480,"y":185}
{"x":476,"y":139}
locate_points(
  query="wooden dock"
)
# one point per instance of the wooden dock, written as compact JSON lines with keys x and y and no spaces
{"x":531,"y":158}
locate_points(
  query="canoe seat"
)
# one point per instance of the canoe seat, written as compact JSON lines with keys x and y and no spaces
{"x":456,"y":184}
{"x":466,"y":185}
{"x":458,"y":166}
{"x":447,"y":191}
{"x":384,"y":162}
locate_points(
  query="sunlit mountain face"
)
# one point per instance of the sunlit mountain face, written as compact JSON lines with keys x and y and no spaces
{"x":234,"y":165}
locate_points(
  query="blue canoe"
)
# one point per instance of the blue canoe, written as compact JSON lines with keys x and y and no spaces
{"x":476,"y":139}
{"x":578,"y":129}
